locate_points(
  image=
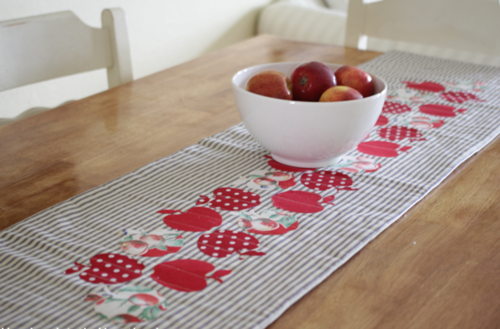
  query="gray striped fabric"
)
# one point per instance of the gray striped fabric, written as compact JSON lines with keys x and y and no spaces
{"x":34,"y":292}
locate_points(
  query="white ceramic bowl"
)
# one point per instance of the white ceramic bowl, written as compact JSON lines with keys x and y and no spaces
{"x":306,"y":134}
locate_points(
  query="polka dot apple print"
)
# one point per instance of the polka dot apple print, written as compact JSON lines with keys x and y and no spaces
{"x":357,"y":164}
{"x":427,"y":86}
{"x":223,"y":243}
{"x":108,"y":269}
{"x":153,"y":244}
{"x":230,"y":199}
{"x":188,"y":275}
{"x":268,"y":180}
{"x":301,"y":201}
{"x":269,"y":222}
{"x":196,"y":219}
{"x":129,"y":304}
{"x":325,"y":180}
{"x":397,"y":133}
{"x":440,"y":110}
{"x":460,"y":97}
{"x":395,"y":108}
{"x":382,"y":149}
{"x":283,"y":167}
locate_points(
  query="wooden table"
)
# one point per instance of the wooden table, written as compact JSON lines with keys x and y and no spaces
{"x":437,"y":267}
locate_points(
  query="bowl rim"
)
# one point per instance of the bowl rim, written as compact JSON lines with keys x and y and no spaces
{"x":292,"y":102}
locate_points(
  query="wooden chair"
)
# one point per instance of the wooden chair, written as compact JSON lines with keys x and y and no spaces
{"x":45,"y":47}
{"x":465,"y":30}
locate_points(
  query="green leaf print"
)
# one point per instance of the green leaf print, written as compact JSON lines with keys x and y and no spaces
{"x":133,"y":308}
{"x":135,"y":289}
{"x":287,"y":221}
{"x":245,"y":216}
{"x":175,"y":243}
{"x":159,"y":246}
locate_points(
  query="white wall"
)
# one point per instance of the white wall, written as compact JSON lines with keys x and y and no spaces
{"x":162,"y":33}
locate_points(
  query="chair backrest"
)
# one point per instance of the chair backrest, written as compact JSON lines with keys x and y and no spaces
{"x":45,"y":47}
{"x":457,"y":29}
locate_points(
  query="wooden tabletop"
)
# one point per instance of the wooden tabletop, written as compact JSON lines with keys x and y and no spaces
{"x":437,"y":267}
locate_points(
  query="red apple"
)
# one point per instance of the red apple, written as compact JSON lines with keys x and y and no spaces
{"x":271,"y":83}
{"x":358,"y":79}
{"x":340,"y":93}
{"x":310,"y":80}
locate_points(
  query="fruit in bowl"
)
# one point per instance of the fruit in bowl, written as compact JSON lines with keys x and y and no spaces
{"x":302,"y":133}
{"x":356,"y":78}
{"x":310,"y":80}
{"x":340,"y":93}
{"x":271,"y":83}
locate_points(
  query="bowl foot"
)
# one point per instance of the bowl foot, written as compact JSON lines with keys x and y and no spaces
{"x":306,"y":164}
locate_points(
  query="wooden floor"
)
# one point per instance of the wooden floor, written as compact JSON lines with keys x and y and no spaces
{"x":437,"y":267}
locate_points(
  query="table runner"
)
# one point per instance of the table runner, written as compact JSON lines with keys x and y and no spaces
{"x":219,"y":235}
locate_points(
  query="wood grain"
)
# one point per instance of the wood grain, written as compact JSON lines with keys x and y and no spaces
{"x":437,"y":267}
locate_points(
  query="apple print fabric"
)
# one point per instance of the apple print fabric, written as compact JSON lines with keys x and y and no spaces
{"x":223,"y":243}
{"x":153,"y":244}
{"x":187,"y":275}
{"x":269,"y":222}
{"x":131,"y":251}
{"x":196,"y":219}
{"x":230,"y":199}
{"x":128,"y":304}
{"x":108,"y":269}
{"x":268,"y":180}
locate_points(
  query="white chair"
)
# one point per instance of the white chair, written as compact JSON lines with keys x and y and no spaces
{"x":304,"y":20}
{"x":465,"y":30}
{"x":45,"y":47}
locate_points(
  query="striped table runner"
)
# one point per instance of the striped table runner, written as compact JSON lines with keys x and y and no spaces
{"x":218,"y":235}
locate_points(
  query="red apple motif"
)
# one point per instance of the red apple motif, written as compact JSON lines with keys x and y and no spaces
{"x":325,"y":180}
{"x":108,"y":269}
{"x":271,"y":83}
{"x":186,"y":275}
{"x":220,"y":244}
{"x":300,"y":201}
{"x":425,"y":86}
{"x":230,"y":199}
{"x":355,"y":78}
{"x":310,"y":80}
{"x":382,"y":120}
{"x":280,"y":166}
{"x":395,"y":108}
{"x":382,"y":149}
{"x":397,"y":133}
{"x":440,"y":110}
{"x":143,"y":300}
{"x":460,"y":97}
{"x":196,"y":219}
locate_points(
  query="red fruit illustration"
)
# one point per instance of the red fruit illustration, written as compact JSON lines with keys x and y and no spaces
{"x":108,"y":269}
{"x":397,"y":133}
{"x":460,"y":97}
{"x":382,"y":149}
{"x":382,"y":120}
{"x":280,"y":166}
{"x":186,"y":274}
{"x":129,"y":304}
{"x":223,"y":243}
{"x":426,"y":86}
{"x":325,"y":180}
{"x":395,"y":108}
{"x":265,"y":226}
{"x":196,"y":219}
{"x":231,"y":199}
{"x":300,"y":201}
{"x":440,"y":110}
